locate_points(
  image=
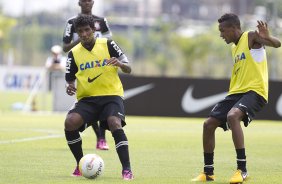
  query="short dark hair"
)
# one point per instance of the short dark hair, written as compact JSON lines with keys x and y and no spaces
{"x":231,"y":19}
{"x":84,"y":20}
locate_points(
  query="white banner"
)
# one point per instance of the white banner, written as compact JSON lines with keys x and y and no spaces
{"x":19,"y":78}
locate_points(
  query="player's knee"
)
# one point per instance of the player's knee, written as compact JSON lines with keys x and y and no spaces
{"x":114,"y":123}
{"x":232,"y":117}
{"x":206,"y":126}
{"x":72,"y":123}
{"x":69,"y":124}
{"x":209,"y":125}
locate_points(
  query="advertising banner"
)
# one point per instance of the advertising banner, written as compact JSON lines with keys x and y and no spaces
{"x":19,"y":78}
{"x":145,"y":96}
{"x":184,"y":97}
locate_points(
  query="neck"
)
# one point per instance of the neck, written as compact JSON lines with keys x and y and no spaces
{"x":89,"y":46}
{"x":238,"y":36}
{"x":86,"y":12}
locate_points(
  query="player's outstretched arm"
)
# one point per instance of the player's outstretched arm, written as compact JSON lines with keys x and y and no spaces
{"x":116,"y":62}
{"x":263,"y":36}
{"x":125,"y":68}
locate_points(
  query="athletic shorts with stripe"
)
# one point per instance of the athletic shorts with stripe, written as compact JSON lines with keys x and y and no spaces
{"x":249,"y":103}
{"x":99,"y":108}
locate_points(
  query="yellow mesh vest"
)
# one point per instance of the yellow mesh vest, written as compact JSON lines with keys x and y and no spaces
{"x":94,"y":77}
{"x":248,"y":74}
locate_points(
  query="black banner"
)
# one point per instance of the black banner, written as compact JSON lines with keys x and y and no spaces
{"x":184,"y":97}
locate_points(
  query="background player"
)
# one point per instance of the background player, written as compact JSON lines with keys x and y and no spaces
{"x":55,"y":63}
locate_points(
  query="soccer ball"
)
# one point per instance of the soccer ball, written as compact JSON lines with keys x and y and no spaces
{"x":91,"y":166}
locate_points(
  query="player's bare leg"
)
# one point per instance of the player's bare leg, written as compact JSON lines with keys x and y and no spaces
{"x":234,"y":118}
{"x":209,"y":128}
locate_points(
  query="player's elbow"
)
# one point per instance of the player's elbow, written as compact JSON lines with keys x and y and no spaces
{"x":126,"y":70}
{"x":65,"y":49}
{"x":129,"y":71}
{"x":278,"y":45}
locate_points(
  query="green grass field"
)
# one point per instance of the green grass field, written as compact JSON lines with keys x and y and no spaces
{"x":33,"y":150}
{"x":8,"y":98}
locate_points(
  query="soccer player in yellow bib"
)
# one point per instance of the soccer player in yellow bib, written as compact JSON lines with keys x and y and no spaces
{"x":71,"y":39}
{"x":93,"y":64}
{"x":248,"y":92}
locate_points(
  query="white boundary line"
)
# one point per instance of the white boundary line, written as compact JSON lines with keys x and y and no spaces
{"x":30,"y":139}
{"x":53,"y":135}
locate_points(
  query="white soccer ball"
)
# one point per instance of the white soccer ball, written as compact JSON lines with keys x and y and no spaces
{"x":91,"y":166}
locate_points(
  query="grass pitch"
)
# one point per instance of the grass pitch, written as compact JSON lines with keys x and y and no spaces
{"x":33,"y":150}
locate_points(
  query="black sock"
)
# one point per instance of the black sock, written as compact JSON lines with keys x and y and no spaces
{"x":208,"y":160}
{"x":96,"y":129}
{"x":75,"y":144}
{"x":241,"y":159}
{"x":102,"y":133}
{"x":122,"y":148}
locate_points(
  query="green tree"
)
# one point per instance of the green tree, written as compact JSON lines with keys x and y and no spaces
{"x":6,"y":24}
{"x":34,"y":36}
{"x":155,"y":52}
{"x":205,"y":54}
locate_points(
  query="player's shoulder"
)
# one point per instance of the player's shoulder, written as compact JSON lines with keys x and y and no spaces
{"x":110,"y":42}
{"x":114,"y":47}
{"x":71,"y":19}
{"x":101,"y":40}
{"x":250,"y":32}
{"x":98,"y":17}
{"x":251,"y":35}
{"x":77,"y":48}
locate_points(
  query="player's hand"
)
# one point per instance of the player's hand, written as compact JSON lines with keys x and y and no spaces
{"x":262,"y":29}
{"x":70,"y":89}
{"x":114,"y":62}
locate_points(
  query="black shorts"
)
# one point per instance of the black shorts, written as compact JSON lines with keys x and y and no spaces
{"x":99,"y":108}
{"x":250,"y":103}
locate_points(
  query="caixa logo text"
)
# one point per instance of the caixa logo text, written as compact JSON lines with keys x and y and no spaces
{"x":20,"y":81}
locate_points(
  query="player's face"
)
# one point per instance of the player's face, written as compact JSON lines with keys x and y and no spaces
{"x":86,"y":34}
{"x":226,"y":32}
{"x":86,"y":5}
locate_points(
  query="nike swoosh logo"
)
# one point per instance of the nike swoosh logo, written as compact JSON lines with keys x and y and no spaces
{"x":91,"y":80}
{"x":244,"y":175}
{"x":243,"y":105}
{"x":191,"y":105}
{"x":279,"y":106}
{"x":129,"y":93}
